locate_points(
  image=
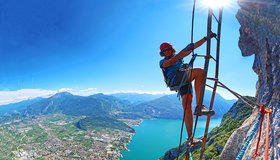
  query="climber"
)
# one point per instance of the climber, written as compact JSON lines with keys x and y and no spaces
{"x":173,"y":70}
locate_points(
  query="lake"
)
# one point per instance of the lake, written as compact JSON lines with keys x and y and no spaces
{"x":154,"y":137}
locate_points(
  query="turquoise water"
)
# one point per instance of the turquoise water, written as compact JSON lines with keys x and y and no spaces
{"x":154,"y":137}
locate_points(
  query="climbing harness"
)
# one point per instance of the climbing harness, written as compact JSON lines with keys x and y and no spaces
{"x":186,"y":77}
{"x":183,"y":72}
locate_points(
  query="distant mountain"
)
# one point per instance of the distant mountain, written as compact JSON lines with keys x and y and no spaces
{"x":100,"y":110}
{"x":17,"y":107}
{"x":170,"y":107}
{"x":69,"y":104}
{"x":108,"y":108}
{"x":137,"y":98}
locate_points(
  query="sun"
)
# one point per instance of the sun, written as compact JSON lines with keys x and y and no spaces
{"x":216,"y":4}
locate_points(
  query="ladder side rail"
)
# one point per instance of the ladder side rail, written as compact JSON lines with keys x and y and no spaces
{"x":208,"y":53}
{"x":206,"y":64}
{"x":215,"y":83}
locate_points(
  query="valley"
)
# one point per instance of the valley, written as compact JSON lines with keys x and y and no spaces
{"x":66,"y":126}
{"x":55,"y":136}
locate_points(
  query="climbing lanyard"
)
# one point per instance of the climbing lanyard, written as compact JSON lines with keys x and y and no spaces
{"x":191,"y":66}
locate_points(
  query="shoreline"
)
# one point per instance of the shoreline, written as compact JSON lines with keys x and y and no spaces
{"x":124,"y":152}
{"x":130,"y":123}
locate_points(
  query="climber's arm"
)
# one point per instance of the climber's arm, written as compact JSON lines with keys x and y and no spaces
{"x":184,"y":52}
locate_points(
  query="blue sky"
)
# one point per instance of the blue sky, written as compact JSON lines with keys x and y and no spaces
{"x":107,"y":45}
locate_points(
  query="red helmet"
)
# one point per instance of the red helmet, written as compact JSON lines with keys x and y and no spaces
{"x":165,"y":46}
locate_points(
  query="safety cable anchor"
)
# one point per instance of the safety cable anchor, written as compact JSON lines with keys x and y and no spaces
{"x":264,"y":111}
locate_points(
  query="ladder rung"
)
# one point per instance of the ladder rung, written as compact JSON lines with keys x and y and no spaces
{"x":200,"y":55}
{"x":205,"y":56}
{"x":207,"y":113}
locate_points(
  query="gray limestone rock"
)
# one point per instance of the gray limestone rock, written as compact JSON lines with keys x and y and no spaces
{"x":260,"y":36}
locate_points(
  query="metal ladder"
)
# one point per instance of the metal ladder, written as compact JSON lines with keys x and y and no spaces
{"x":208,"y":56}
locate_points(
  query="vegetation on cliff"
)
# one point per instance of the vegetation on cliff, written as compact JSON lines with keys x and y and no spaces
{"x":232,"y":120}
{"x":218,"y":137}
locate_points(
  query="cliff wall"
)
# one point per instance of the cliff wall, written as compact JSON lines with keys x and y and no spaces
{"x":260,"y":36}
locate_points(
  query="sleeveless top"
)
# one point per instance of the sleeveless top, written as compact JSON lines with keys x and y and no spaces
{"x":170,"y":72}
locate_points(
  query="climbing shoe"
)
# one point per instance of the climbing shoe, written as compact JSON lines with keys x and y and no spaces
{"x":204,"y":111}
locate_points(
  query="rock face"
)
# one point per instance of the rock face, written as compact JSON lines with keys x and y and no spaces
{"x":260,"y":35}
{"x":172,"y":153}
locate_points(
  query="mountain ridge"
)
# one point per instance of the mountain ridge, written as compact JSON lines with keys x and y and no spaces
{"x":104,"y":107}
{"x":170,"y":107}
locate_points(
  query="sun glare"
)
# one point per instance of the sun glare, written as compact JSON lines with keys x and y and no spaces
{"x":215,"y":4}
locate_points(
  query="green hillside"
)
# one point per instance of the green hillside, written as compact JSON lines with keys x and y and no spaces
{"x":102,"y":122}
{"x":218,"y":137}
{"x":101,"y":111}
